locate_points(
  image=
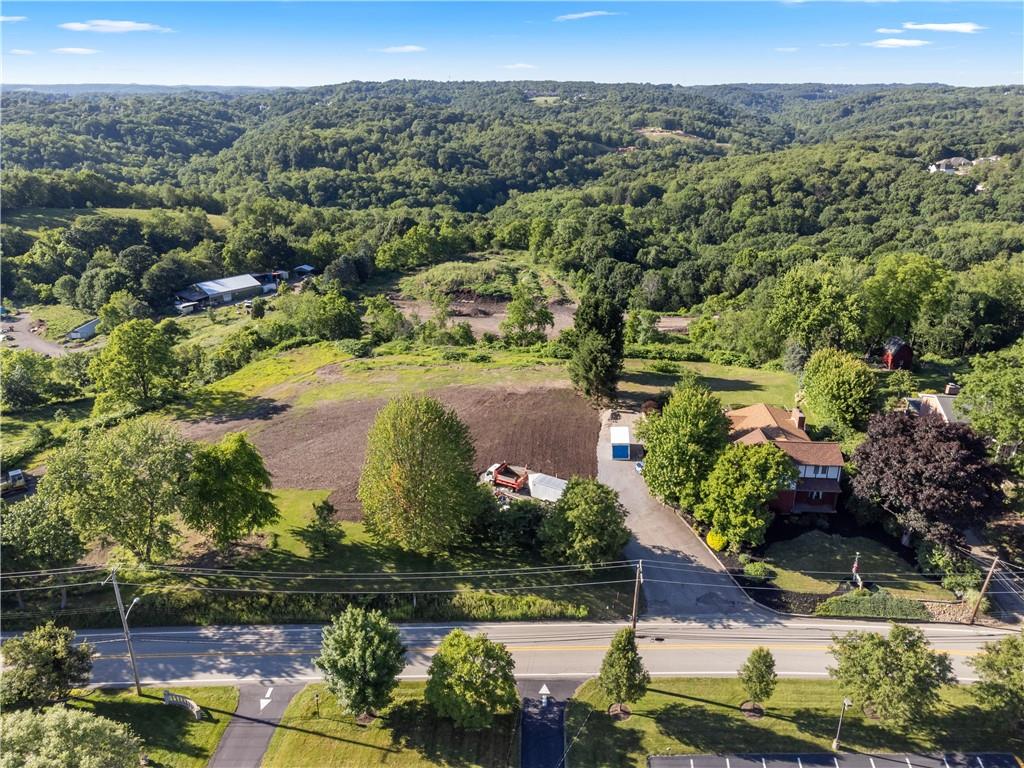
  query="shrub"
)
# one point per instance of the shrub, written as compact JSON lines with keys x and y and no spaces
{"x":960,"y":575}
{"x":664,"y":366}
{"x":355,"y":347}
{"x":480,"y":357}
{"x":880,"y":605}
{"x":679,"y":352}
{"x":454,"y":354}
{"x":758,"y":570}
{"x":716,"y":540}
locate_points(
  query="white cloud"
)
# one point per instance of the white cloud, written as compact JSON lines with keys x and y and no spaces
{"x":74,"y":51}
{"x":963,"y":27}
{"x":112,"y":26}
{"x":889,"y":31}
{"x":896,"y":42}
{"x":401,"y":49}
{"x":833,"y":45}
{"x":20,"y":52}
{"x":585,"y":15}
{"x":519,"y":65}
{"x":787,"y":49}
{"x":13,"y":18}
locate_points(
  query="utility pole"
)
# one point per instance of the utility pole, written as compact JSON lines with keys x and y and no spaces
{"x":984,"y":589}
{"x":124,"y":623}
{"x":636,"y":590}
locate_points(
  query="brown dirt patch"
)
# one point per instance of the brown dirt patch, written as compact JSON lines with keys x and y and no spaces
{"x":485,"y":315}
{"x":548,"y":429}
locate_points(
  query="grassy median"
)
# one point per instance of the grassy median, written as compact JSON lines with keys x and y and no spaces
{"x":407,"y":735}
{"x":702,"y":715}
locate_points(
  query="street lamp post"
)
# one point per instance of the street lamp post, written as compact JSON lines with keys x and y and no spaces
{"x":835,"y":742}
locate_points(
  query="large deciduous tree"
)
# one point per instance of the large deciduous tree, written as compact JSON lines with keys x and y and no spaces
{"x":934,"y":478}
{"x":230,"y":490}
{"x":839,"y":387}
{"x":471,"y":679}
{"x":623,"y":678}
{"x":121,"y":307}
{"x":61,"y":737}
{"x":43,"y":666}
{"x":418,"y":487}
{"x":993,"y":400}
{"x":683,"y":443}
{"x":894,"y":295}
{"x":527,"y":316}
{"x":899,"y":676}
{"x":36,"y":534}
{"x":757,"y":675}
{"x":1000,"y":670}
{"x":737,"y":491}
{"x":137,"y":367}
{"x":361,"y":656}
{"x":126,"y":484}
{"x":586,"y":525}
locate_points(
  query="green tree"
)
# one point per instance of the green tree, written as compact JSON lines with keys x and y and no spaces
{"x":993,"y":399}
{"x":642,"y":327}
{"x":137,"y":367}
{"x":597,"y":313}
{"x":383,"y":320}
{"x":899,"y":676}
{"x":121,"y":307}
{"x":127,"y":484}
{"x":361,"y":656}
{"x":43,"y":666}
{"x":527,"y":316}
{"x":840,"y":388}
{"x":594,"y":367}
{"x":893,"y":296}
{"x":61,"y":737}
{"x":737,"y":491}
{"x":623,"y":678}
{"x":36,"y":534}
{"x":683,"y":443}
{"x":326,"y":316}
{"x":323,"y":531}
{"x":1001,"y":676}
{"x":586,"y":525}
{"x":230,"y":490}
{"x":418,"y":487}
{"x":259,"y":308}
{"x":26,"y":378}
{"x":471,"y":679}
{"x":757,"y":675}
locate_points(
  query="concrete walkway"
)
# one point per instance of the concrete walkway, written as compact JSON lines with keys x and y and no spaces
{"x":681,"y":577}
{"x":247,"y":737}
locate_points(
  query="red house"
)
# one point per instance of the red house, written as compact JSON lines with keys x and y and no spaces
{"x":819,"y":464}
{"x":897,"y":354}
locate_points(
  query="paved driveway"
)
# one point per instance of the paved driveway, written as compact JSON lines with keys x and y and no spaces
{"x":247,"y":736}
{"x":681,"y":578}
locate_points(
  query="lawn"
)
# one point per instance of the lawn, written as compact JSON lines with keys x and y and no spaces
{"x":735,"y":386}
{"x":60,"y":319}
{"x":35,"y":220}
{"x":23,"y":429}
{"x":702,"y":715}
{"x":407,"y":735}
{"x":172,"y":737}
{"x":209,"y":333}
{"x":815,"y":562}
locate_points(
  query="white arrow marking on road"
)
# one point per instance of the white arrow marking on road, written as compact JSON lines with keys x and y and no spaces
{"x":266,"y":700}
{"x":544,"y":690}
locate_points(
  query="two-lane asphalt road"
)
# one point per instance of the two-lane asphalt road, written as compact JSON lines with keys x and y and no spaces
{"x":280,"y":654}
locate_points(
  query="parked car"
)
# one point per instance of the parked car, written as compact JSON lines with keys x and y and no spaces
{"x":13,"y":481}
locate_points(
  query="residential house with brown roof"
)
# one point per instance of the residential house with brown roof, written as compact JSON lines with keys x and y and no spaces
{"x":818,"y":463}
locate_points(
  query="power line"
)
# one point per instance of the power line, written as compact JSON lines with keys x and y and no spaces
{"x":48,"y":586}
{"x":327,"y":574}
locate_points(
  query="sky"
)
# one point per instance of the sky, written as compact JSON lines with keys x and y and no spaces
{"x":315,"y":43}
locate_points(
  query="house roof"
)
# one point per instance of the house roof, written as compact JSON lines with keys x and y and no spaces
{"x":895,"y":344}
{"x":943,"y":405}
{"x":762,"y":423}
{"x":228,"y":284}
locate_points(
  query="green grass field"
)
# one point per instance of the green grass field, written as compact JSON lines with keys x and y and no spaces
{"x":19,"y":426}
{"x":60,"y":319}
{"x":35,"y":220}
{"x":702,"y":715}
{"x":407,"y":735}
{"x":172,"y":737}
{"x":815,"y":562}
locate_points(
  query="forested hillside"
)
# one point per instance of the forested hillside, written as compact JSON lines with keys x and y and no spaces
{"x":774,"y":209}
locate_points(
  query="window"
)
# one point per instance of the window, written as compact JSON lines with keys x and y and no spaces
{"x":820,"y":471}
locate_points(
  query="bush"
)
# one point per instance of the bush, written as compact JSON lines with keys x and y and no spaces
{"x":971,"y":597}
{"x":355,"y":347}
{"x":725,"y":357}
{"x":879,"y":605}
{"x":454,"y":354}
{"x":679,"y":352}
{"x":716,"y":540}
{"x":664,"y":366}
{"x":396,"y":347}
{"x":960,"y":575}
{"x":480,"y":357}
{"x":758,"y":570}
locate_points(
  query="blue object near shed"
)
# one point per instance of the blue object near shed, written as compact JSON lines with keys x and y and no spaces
{"x":620,"y":443}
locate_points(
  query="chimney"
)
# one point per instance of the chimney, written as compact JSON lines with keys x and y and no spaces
{"x":797,"y":417}
{"x":952,"y":388}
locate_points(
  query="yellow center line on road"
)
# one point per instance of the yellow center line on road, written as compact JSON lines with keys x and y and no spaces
{"x":524,"y":649}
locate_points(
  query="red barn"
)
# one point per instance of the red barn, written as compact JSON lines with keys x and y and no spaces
{"x":897,"y":354}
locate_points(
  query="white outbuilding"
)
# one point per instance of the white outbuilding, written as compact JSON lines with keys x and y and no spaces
{"x":546,"y":487}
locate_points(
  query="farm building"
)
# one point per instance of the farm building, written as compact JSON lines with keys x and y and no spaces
{"x":621,"y":446}
{"x":546,"y":487}
{"x":943,"y":406}
{"x":897,"y":354}
{"x":222,"y":291}
{"x":86,"y":330}
{"x":303,"y":270}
